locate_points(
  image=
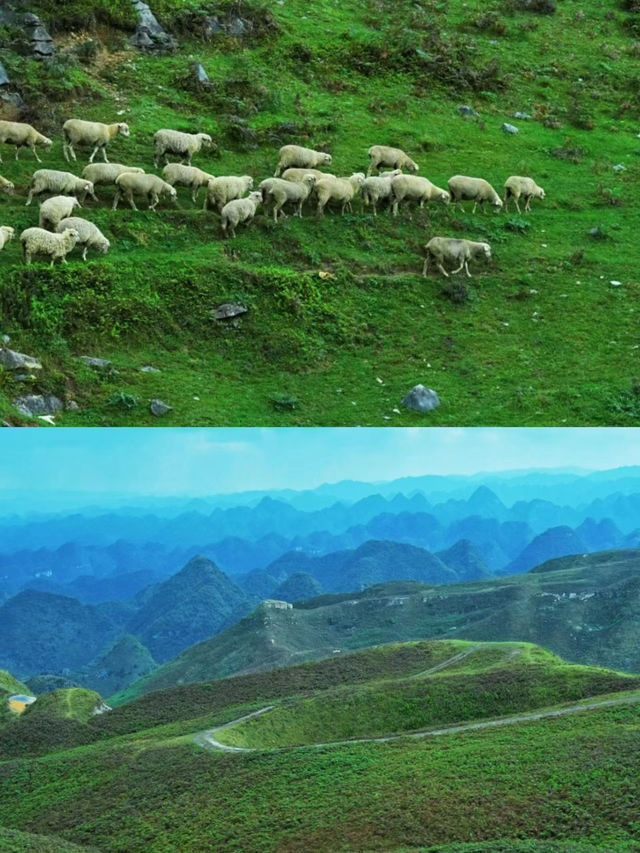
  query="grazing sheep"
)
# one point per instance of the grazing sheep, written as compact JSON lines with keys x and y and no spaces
{"x":6,"y":234}
{"x":186,"y":176}
{"x":413,"y":188}
{"x":184,"y":145}
{"x":89,"y":235}
{"x":239,"y":210}
{"x":463,"y":188}
{"x":79,"y":132}
{"x":517,"y":186}
{"x":296,"y":155}
{"x":22,"y":136}
{"x":106,"y":173}
{"x":281,"y":192}
{"x":454,"y":251}
{"x":154,"y":188}
{"x":341,"y":190}
{"x":378,"y":188}
{"x":59,"y":183}
{"x":55,"y":209}
{"x":226,"y":188}
{"x":37,"y":241}
{"x":6,"y":186}
{"x":393,"y":158}
{"x":298,"y":174}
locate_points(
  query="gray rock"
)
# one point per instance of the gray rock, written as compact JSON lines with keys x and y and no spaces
{"x":213,"y":26}
{"x":509,"y":128}
{"x":12,"y":360}
{"x":38,"y":404}
{"x":228,"y":309}
{"x":201,"y":76}
{"x":146,"y":18}
{"x":522,"y":116}
{"x":148,"y":369}
{"x":72,"y":406}
{"x":619,"y":168}
{"x":95,"y":362}
{"x":421,"y":399}
{"x":23,"y":377}
{"x":41,"y":42}
{"x":237,"y":27}
{"x":159,"y":408}
{"x":4,"y":77}
{"x":149,"y":35}
{"x":466,"y":111}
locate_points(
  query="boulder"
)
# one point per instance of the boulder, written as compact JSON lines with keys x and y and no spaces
{"x":95,"y":362}
{"x":421,"y":399}
{"x":509,"y":128}
{"x":227,"y":310}
{"x":11,"y":360}
{"x":38,"y":404}
{"x":159,"y":408}
{"x":41,"y":42}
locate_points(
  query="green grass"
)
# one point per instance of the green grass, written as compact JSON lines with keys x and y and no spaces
{"x":530,"y":347}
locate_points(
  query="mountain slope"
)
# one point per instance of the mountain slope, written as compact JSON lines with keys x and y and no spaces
{"x":125,"y":662}
{"x":553,"y":543}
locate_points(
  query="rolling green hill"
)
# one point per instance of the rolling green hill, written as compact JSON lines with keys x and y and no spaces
{"x":340,"y":325}
{"x":563,"y":779}
{"x":581,"y":607}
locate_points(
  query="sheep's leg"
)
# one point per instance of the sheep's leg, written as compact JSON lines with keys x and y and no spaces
{"x":425,"y":266}
{"x":84,"y":253}
{"x":442,"y":269}
{"x":116,"y":199}
{"x":518,"y":206}
{"x":132,"y":203}
{"x":65,"y":151}
{"x":278,"y":170}
{"x":454,"y":272}
{"x":17,"y":152}
{"x":475,"y":204}
{"x":29,"y":198}
{"x":466,"y":268}
{"x":194,"y":195}
{"x":374,"y":204}
{"x":275,"y":210}
{"x":153,"y":201}
{"x":394,"y":209}
{"x":205,"y":206}
{"x":527,"y":205}
{"x":104,"y":153}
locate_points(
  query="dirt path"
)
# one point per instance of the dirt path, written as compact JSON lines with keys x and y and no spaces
{"x":445,"y":663}
{"x":207,"y":739}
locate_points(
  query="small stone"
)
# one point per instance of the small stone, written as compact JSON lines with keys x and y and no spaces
{"x":5,"y":339}
{"x":149,"y":369}
{"x":466,"y":111}
{"x":159,"y":408}
{"x":201,"y":76}
{"x":4,"y":77}
{"x":38,"y":404}
{"x":95,"y":362}
{"x":228,"y":309}
{"x":509,"y":128}
{"x":72,"y":406}
{"x":619,"y":168}
{"x":616,"y":283}
{"x":522,"y":116}
{"x":421,"y":399}
{"x":12,"y":360}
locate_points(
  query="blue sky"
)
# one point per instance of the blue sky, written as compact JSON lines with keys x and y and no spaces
{"x":159,"y":462}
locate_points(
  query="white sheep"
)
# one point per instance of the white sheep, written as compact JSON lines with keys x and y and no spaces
{"x":6,"y":234}
{"x":37,"y":241}
{"x":22,"y":136}
{"x":55,"y":209}
{"x":378,"y":188}
{"x":151,"y":186}
{"x":186,"y":176}
{"x":463,"y":188}
{"x":184,"y":145}
{"x":296,"y":155}
{"x":106,"y":173}
{"x":413,"y":188}
{"x":6,"y":186}
{"x":454,"y":251}
{"x":78,"y":132}
{"x":340,"y":190}
{"x":59,"y":183}
{"x":298,"y":174}
{"x":393,"y":158}
{"x":516,"y":187}
{"x":280,"y":192}
{"x":226,"y":188}
{"x":89,"y":235}
{"x":239,"y":210}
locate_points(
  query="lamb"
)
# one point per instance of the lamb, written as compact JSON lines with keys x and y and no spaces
{"x":59,"y":183}
{"x":186,"y":176}
{"x":454,"y":251}
{"x":22,"y":136}
{"x":517,"y":186}
{"x":37,"y":241}
{"x":340,"y":190}
{"x":239,"y":210}
{"x":154,"y":188}
{"x":55,"y":209}
{"x":413,"y":188}
{"x":6,"y":186}
{"x":463,"y":188}
{"x":6,"y":234}
{"x":298,"y":174}
{"x":79,"y":132}
{"x":281,"y":192}
{"x":106,"y":173}
{"x":89,"y":235}
{"x":393,"y":158}
{"x":184,"y":145}
{"x":304,"y":158}
{"x":378,"y":188}
{"x":226,"y":188}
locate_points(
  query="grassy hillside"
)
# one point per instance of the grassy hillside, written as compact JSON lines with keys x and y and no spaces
{"x":540,"y":336}
{"x":565,"y":784}
{"x":14,"y":841}
{"x":582,"y":607}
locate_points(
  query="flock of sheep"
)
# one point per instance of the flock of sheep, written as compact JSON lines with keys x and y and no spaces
{"x":297,"y":179}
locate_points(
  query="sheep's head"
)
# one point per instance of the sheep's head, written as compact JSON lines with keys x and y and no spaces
{"x":496,"y":201}
{"x":486,"y":250}
{"x":325,"y":160}
{"x":539,"y":192}
{"x":255,"y":197}
{"x":86,"y":188}
{"x":123,"y":129}
{"x":9,"y":232}
{"x":412,"y":166}
{"x":71,"y":235}
{"x":75,"y":203}
{"x":358,"y":179}
{"x":7,"y":187}
{"x":172,"y":192}
{"x":444,"y":197}
{"x":104,"y":246}
{"x":205,"y":139}
{"x":248,"y":181}
{"x":46,"y":142}
{"x":309,"y":180}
